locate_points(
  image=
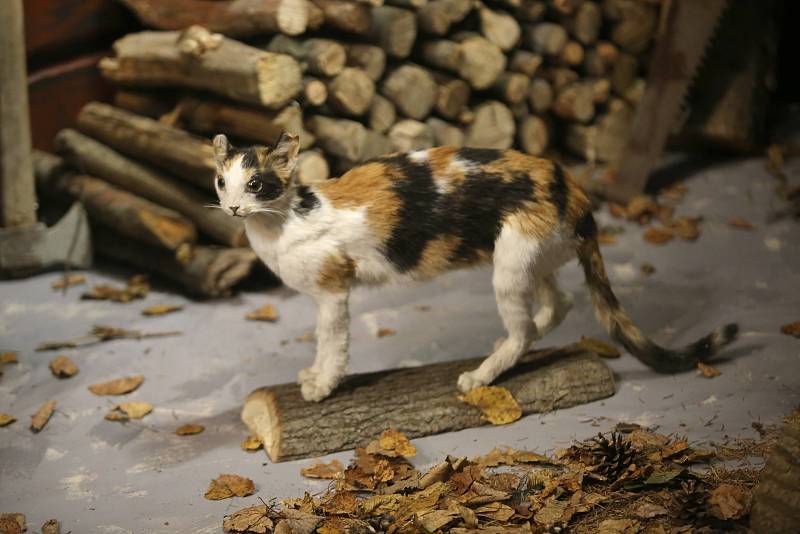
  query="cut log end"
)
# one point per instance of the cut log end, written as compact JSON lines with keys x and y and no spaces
{"x":260,"y":414}
{"x":292,"y":16}
{"x":279,"y":79}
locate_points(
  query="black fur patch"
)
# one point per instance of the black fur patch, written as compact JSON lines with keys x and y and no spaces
{"x":249,"y":158}
{"x":586,"y":228}
{"x":308,"y":200}
{"x":479,"y":155}
{"x":558,"y":191}
{"x":272,"y":186}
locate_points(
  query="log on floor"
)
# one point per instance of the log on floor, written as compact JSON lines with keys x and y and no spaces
{"x":419,"y":401}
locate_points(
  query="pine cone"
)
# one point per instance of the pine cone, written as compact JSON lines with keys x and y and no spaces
{"x":610,"y":458}
{"x":691,"y":502}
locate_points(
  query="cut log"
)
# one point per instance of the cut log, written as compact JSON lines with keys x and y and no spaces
{"x":339,"y":137}
{"x":409,"y":135}
{"x":312,"y":167}
{"x":148,"y":103}
{"x":235,"y":18}
{"x":382,"y":114}
{"x":444,"y":133}
{"x":443,"y":54}
{"x":605,"y":139}
{"x":636,"y":27}
{"x":481,"y":60}
{"x":369,"y":58}
{"x":315,"y":92}
{"x":600,"y":59}
{"x":512,"y":87}
{"x":229,"y":68}
{"x":561,"y":77}
{"x":132,"y":216}
{"x":346,"y":16}
{"x":452,"y":95}
{"x":417,"y":401}
{"x":541,"y":96}
{"x":575,"y":102}
{"x":322,"y":57}
{"x":316,"y":17}
{"x":571,"y":54}
{"x":585,"y":26}
{"x":625,"y":73}
{"x":99,"y":160}
{"x":438,"y":16}
{"x":492,"y":127}
{"x":602,"y":90}
{"x":565,"y":8}
{"x":183,"y":154}
{"x":530,"y":10}
{"x":394,"y":29}
{"x":412,"y":89}
{"x":203,"y":271}
{"x":533,"y":135}
{"x":411,"y":4}
{"x":547,"y":38}
{"x":350,"y":92}
{"x":499,"y":27}
{"x":525,"y":62}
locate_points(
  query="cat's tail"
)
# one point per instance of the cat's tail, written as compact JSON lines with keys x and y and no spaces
{"x":620,"y":326}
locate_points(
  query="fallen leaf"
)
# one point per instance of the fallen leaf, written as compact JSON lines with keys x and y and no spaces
{"x":392,"y":443}
{"x":12,"y":523}
{"x":728,"y":501}
{"x":647,"y":269}
{"x":63,"y":367}
{"x":601,"y":348}
{"x":674,"y":192}
{"x":497,"y":404}
{"x":647,"y":510}
{"x":161,"y":309}
{"x":264,"y":313}
{"x":254,"y":519}
{"x":51,"y":526}
{"x":741,"y":224}
{"x":433,"y":520}
{"x":658,"y":236}
{"x":641,"y":209}
{"x":604,"y":238}
{"x":791,"y":329}
{"x":330,"y":470}
{"x":125,"y":411}
{"x":136,"y":288}
{"x":69,"y":280}
{"x":42,"y":415}
{"x":616,"y":210}
{"x":687,"y":228}
{"x":341,"y":503}
{"x":305,"y":337}
{"x":299,"y":522}
{"x":226,"y":486}
{"x":619,"y":526}
{"x":6,"y":419}
{"x":385,"y":332}
{"x":422,"y":307}
{"x":8,"y":357}
{"x":118,"y":386}
{"x":189,"y":429}
{"x":551,"y":512}
{"x":707,"y":370}
{"x":251,"y":443}
{"x":663,"y":477}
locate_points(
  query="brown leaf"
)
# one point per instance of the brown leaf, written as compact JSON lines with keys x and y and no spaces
{"x":69,"y":280}
{"x":509,"y":456}
{"x":687,"y":228}
{"x":226,"y":486}
{"x":617,"y":210}
{"x":641,"y":209}
{"x":12,"y":523}
{"x":8,"y":357}
{"x":189,"y":429}
{"x":619,"y":526}
{"x":51,"y":526}
{"x":728,"y":501}
{"x":137,"y":288}
{"x":6,"y":419}
{"x":299,"y":522}
{"x":647,"y":510}
{"x":330,"y":470}
{"x":497,"y":404}
{"x":378,"y":505}
{"x":125,"y":411}
{"x":161,"y":309}
{"x":551,"y":512}
{"x":385,"y":332}
{"x":647,"y":269}
{"x":118,"y":386}
{"x":392,"y":443}
{"x":601,"y":348}
{"x":791,"y":329}
{"x":254,"y":519}
{"x":341,"y":503}
{"x":268,"y":312}
{"x":658,"y":236}
{"x":707,"y":370}
{"x":605,"y":238}
{"x":42,"y":415}
{"x":251,"y":443}
{"x":63,"y":367}
{"x":741,"y":224}
{"x":433,"y":520}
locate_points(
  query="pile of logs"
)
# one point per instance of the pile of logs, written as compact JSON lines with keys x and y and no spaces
{"x":354,"y":79}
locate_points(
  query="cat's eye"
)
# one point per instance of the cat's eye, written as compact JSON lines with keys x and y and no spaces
{"x":220,"y":182}
{"x":255,"y":186}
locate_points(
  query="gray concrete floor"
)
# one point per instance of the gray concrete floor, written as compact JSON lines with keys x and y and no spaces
{"x":99,"y":476}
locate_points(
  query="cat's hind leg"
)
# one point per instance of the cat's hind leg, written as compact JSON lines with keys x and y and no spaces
{"x":554,"y":305}
{"x":333,"y":336}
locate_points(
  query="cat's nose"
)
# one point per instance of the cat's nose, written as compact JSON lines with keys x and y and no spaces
{"x":234,"y":209}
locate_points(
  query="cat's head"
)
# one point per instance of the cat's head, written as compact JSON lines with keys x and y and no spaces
{"x":254,"y":179}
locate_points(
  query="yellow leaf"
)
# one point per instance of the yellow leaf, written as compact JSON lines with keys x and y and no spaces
{"x":252,"y":443}
{"x":791,"y":329}
{"x":6,"y":419}
{"x":392,"y":443}
{"x":129,"y":410}
{"x":707,"y":370}
{"x":330,"y":470}
{"x":497,"y":404}
{"x":226,"y":486}
{"x":42,"y":415}
{"x":253,"y":519}
{"x":658,"y":236}
{"x":118,"y":386}
{"x":189,"y":429}
{"x":8,"y":357}
{"x":161,"y":309}
{"x":386,"y":332}
{"x":264,"y":313}
{"x":63,"y":367}
{"x":69,"y":281}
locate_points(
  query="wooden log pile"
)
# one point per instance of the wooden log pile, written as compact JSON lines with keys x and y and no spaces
{"x":354,"y":79}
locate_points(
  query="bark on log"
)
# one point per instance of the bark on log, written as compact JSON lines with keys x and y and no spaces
{"x":419,"y":401}
{"x":492,"y":127}
{"x":369,"y":58}
{"x":203,"y":271}
{"x":541,"y":96}
{"x":409,"y":135}
{"x":394,"y":29}
{"x":452,"y":95}
{"x":183,"y":154}
{"x":228,"y":68}
{"x":147,"y":103}
{"x":575,"y":102}
{"x":412,"y":89}
{"x":411,"y":4}
{"x":350,"y":17}
{"x":438,"y":16}
{"x":99,"y":160}
{"x":350,"y":92}
{"x":342,"y":138}
{"x":322,"y":57}
{"x":312,"y":167}
{"x":499,"y":27}
{"x":236,"y":18}
{"x":444,"y":133}
{"x":512,"y":87}
{"x":533,"y":135}
{"x":130,"y":215}
{"x":315,"y":93}
{"x":525,"y":62}
{"x":546,"y":38}
{"x":382,"y":114}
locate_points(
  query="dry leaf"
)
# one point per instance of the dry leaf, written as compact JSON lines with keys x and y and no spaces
{"x":6,"y":419}
{"x":641,"y":209}
{"x":433,"y":520}
{"x":497,"y":404}
{"x":254,"y":519}
{"x":331,"y":470}
{"x":118,"y":386}
{"x":647,"y":510}
{"x":601,"y":348}
{"x":687,"y":228}
{"x":299,"y":522}
{"x":51,"y":526}
{"x":728,"y":501}
{"x":341,"y":503}
{"x":619,"y":526}
{"x":189,"y":429}
{"x":125,"y":411}
{"x":9,"y":357}
{"x":251,"y":443}
{"x":791,"y":329}
{"x":658,"y":236}
{"x":137,"y":288}
{"x":551,"y":512}
{"x":422,"y":307}
{"x":161,"y":309}
{"x":707,"y":370}
{"x":69,"y":280}
{"x":268,"y":312}
{"x":42,"y":415}
{"x":647,"y":269}
{"x":63,"y":367}
{"x":226,"y":486}
{"x":392,"y":443}
{"x":741,"y":224}
{"x":12,"y":523}
{"x":385,"y":332}
{"x":305,"y":337}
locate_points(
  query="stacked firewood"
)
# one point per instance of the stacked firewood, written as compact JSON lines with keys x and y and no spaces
{"x":354,"y":79}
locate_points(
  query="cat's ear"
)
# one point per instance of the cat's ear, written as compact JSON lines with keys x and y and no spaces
{"x":284,"y":153}
{"x":221,"y":147}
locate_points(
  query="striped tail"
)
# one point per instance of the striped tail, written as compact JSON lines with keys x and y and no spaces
{"x":620,"y":326}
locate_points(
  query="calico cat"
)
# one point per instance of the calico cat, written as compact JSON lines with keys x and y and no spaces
{"x":412,"y":216}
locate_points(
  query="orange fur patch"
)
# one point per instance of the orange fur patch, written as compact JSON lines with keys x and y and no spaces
{"x":336,"y":273}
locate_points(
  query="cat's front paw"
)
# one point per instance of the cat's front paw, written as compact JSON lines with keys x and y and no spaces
{"x":314,"y":391}
{"x":309,"y":374}
{"x":469,"y":381}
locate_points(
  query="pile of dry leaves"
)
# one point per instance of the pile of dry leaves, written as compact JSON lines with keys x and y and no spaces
{"x":629,"y":481}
